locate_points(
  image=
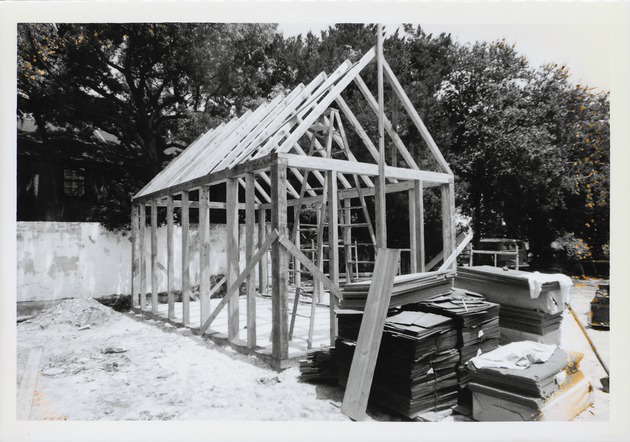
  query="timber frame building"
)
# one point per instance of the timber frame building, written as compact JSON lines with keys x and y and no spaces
{"x":287,"y":154}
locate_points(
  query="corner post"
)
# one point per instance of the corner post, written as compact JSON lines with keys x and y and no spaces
{"x":279,"y":263}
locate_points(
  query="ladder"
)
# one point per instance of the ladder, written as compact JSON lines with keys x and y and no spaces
{"x":315,"y":248}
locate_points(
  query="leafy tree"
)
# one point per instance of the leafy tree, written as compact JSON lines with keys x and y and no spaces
{"x":154,"y":86}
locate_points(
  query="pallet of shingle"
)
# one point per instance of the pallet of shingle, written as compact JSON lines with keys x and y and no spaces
{"x":496,"y":405}
{"x":516,"y":288}
{"x":529,"y":321}
{"x":407,"y":289}
{"x":528,"y":381}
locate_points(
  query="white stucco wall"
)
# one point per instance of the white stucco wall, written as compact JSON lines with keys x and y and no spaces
{"x":78,"y":260}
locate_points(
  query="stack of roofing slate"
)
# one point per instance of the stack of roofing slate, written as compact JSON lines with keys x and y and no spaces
{"x":477,"y":323}
{"x":407,"y":289}
{"x":320,"y":365}
{"x":525,"y":314}
{"x":551,"y":389}
{"x":415,"y":369}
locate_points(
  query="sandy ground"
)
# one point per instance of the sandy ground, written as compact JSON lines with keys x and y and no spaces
{"x":126,"y":368}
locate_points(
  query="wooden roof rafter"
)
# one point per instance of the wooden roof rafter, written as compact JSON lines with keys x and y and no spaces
{"x":253,"y":141}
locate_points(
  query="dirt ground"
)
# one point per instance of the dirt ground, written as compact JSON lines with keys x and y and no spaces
{"x":124,"y":367}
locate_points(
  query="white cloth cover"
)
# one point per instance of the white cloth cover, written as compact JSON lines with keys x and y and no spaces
{"x":516,"y":355}
{"x":536,"y":281}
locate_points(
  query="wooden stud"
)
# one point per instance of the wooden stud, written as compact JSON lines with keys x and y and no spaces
{"x":448,"y":219}
{"x":250,"y":216}
{"x":185,"y":259}
{"x":333,"y":249}
{"x":297,"y":274}
{"x":347,"y":237}
{"x":370,"y":334}
{"x":135,"y":256}
{"x":413,"y":237}
{"x":204,"y":254}
{"x":417,"y":215}
{"x":154,"y":258}
{"x":279,"y":263}
{"x":170,"y":259}
{"x":379,"y":214}
{"x":232,"y":251}
{"x":262,"y":267}
{"x":142,"y":255}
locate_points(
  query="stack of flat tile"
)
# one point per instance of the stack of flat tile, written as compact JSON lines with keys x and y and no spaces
{"x":416,"y":366}
{"x":554,"y":390}
{"x":477,"y":322}
{"x":407,"y":289}
{"x":522,"y":316}
{"x":319,"y":366}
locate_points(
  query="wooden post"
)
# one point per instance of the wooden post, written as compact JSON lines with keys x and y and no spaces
{"x":448,"y":219}
{"x":170,"y":258}
{"x":250,"y":228}
{"x":204,"y":254}
{"x":142,"y":255}
{"x":185,"y":258}
{"x":381,"y":223}
{"x":297,"y":274}
{"x":347,"y":237}
{"x":333,"y":248}
{"x":279,"y":263}
{"x":135,"y":256}
{"x":154,"y":258}
{"x":413,"y":239}
{"x":232,"y":251}
{"x":262,"y":266}
{"x":416,"y":228}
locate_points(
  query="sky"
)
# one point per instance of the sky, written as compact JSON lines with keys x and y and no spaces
{"x":582,"y":49}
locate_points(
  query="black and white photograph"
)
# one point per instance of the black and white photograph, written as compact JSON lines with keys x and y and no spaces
{"x":314,"y":220}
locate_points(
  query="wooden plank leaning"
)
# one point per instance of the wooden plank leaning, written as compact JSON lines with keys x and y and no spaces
{"x":370,"y":334}
{"x":273,"y":236}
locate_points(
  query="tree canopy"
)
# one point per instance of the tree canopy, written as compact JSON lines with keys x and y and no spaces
{"x":529,"y":148}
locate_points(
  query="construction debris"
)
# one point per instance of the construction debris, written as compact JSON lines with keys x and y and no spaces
{"x":319,"y":366}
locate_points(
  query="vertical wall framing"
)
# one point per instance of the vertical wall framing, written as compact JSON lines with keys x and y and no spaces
{"x":135,"y":256}
{"x":416,"y":227}
{"x":170,"y":258}
{"x":250,"y":230}
{"x":185,"y":258}
{"x":279,"y":263}
{"x":204,"y":252}
{"x":448,"y":220}
{"x":262,"y":266}
{"x":154,"y":258}
{"x":142,"y":232}
{"x":333,"y":248}
{"x":232,"y":251}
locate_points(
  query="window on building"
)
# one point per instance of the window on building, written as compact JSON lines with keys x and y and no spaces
{"x":74,"y":182}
